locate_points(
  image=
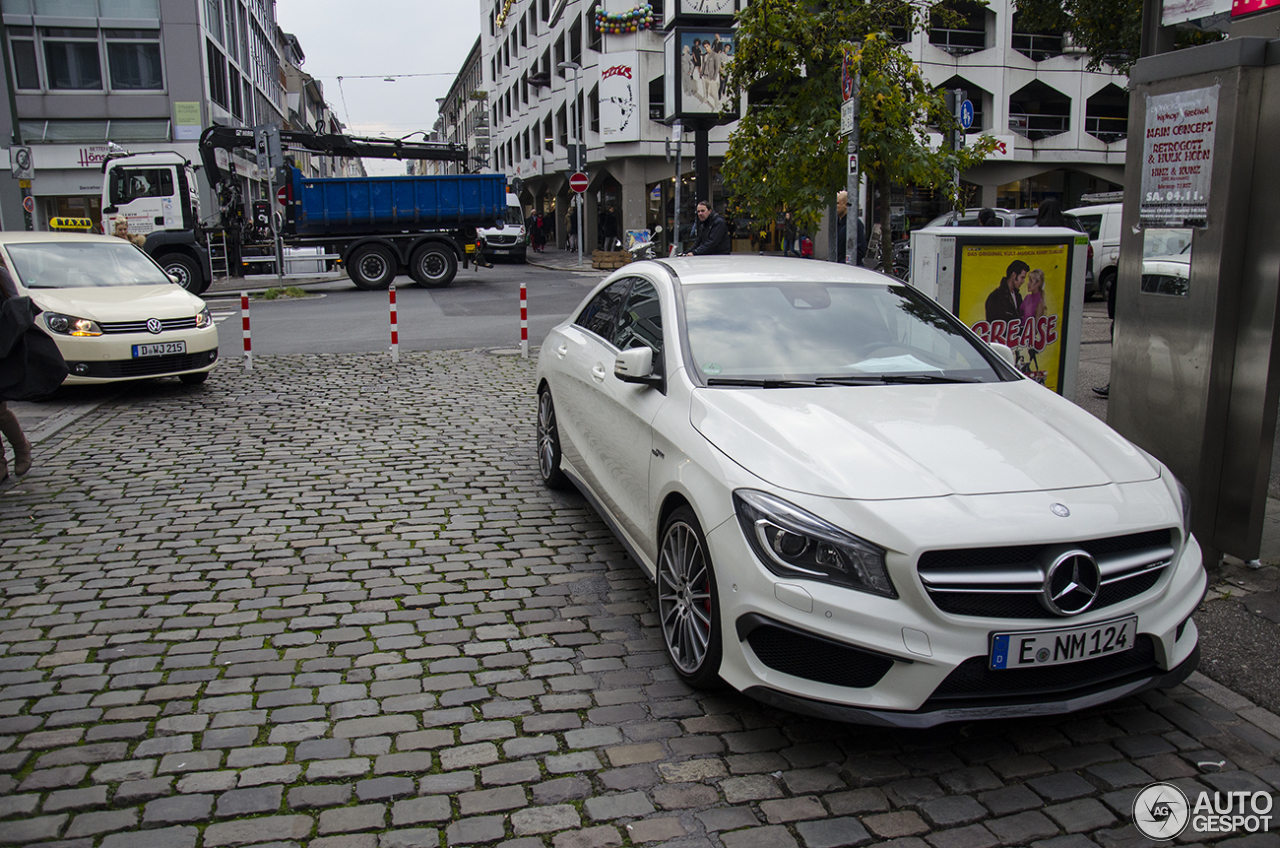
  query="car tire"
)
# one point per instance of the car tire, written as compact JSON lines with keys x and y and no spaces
{"x":194,"y":379}
{"x":1104,"y":285}
{"x":186,"y":270}
{"x":689,"y":601}
{"x":433,"y":265}
{"x":549,"y":444}
{"x":372,"y":267}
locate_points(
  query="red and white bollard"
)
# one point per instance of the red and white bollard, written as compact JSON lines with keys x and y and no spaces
{"x":524,"y":321}
{"x":244,"y":319}
{"x":395,"y":332}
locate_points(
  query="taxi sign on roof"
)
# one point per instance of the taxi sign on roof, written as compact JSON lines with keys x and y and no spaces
{"x":71,"y":224}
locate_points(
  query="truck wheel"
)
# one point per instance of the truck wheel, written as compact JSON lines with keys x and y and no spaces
{"x":186,"y":270}
{"x":433,"y":265}
{"x":372,"y":268}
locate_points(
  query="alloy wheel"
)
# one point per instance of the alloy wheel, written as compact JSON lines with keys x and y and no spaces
{"x":684,"y":597}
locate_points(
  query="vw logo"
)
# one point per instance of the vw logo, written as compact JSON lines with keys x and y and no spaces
{"x":1059,"y":510}
{"x":1072,"y":583}
{"x":154,"y":325}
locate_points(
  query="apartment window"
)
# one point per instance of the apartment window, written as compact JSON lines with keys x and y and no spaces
{"x":26,"y":68}
{"x":524,"y":32}
{"x":575,"y":41}
{"x":234,"y":90}
{"x":133,"y":57}
{"x":595,"y":109}
{"x":562,"y":126}
{"x":595,"y":40}
{"x":548,"y":140}
{"x":213,"y":17}
{"x":217,"y":75}
{"x":71,"y":59}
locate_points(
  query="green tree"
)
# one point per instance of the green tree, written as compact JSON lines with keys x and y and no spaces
{"x":786,"y":150}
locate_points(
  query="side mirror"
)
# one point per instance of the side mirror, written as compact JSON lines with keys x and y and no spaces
{"x":110,"y":210}
{"x":635,"y":365}
{"x":1004,"y":352}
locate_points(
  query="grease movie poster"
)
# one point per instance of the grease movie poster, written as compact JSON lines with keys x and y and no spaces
{"x":1013,"y":294}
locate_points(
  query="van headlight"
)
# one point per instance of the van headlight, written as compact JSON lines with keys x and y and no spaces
{"x":69,"y":325}
{"x":794,"y":543}
{"x":204,"y":319}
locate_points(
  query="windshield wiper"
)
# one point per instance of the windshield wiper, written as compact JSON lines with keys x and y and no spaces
{"x":924,"y":378}
{"x":761,"y":384}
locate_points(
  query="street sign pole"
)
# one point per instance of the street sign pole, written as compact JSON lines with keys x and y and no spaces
{"x":854,"y":184}
{"x":676,"y":132}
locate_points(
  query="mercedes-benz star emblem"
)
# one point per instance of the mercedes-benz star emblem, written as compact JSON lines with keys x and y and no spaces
{"x":1059,"y":510}
{"x":1072,"y":583}
{"x":154,"y":325}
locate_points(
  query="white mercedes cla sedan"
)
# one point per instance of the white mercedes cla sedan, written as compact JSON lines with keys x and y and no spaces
{"x":854,"y":508}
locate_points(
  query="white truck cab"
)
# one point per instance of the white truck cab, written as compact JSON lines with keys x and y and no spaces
{"x":157,"y":194}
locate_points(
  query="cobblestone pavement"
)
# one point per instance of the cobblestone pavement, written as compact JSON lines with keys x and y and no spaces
{"x":327,"y":603}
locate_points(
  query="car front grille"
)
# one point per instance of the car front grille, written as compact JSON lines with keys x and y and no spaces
{"x":166,"y":325}
{"x":1007,"y":582}
{"x":149,"y":366}
{"x":973,"y":682}
{"x":501,"y":241}
{"x":811,"y":657}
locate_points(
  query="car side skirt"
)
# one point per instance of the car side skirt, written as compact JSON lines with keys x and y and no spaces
{"x":650,"y":568}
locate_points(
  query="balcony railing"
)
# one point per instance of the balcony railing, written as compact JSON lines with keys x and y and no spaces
{"x":958,"y":42}
{"x":1035,"y":127}
{"x":1107,"y":130}
{"x":1036,"y":46}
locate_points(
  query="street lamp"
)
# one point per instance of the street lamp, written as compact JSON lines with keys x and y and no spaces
{"x":578,"y":144}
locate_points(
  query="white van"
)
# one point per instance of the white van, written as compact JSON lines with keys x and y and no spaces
{"x":512,"y":239}
{"x":1102,"y":223}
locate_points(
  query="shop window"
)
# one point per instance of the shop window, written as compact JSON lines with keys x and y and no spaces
{"x":133,"y":57}
{"x":140,"y":130}
{"x":71,"y":59}
{"x":75,"y":131}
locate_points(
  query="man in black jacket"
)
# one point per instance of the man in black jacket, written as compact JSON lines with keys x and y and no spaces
{"x":713,"y":233}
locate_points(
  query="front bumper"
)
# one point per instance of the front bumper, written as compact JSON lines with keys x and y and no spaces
{"x":932,"y":717}
{"x":109,"y":358}
{"x":905,"y":661}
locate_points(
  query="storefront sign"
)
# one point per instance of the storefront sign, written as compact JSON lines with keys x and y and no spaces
{"x":1247,"y":7}
{"x":1177,"y":158}
{"x":1181,"y":11}
{"x":1014,"y":295}
{"x":620,"y":97}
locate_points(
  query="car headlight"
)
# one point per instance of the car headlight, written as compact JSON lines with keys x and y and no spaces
{"x":794,"y":543}
{"x":204,"y":319}
{"x":69,"y":325}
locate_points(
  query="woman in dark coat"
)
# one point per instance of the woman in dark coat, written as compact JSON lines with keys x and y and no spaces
{"x":9,"y":425}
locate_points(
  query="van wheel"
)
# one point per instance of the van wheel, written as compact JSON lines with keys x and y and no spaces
{"x":433,"y":265}
{"x":186,"y":270}
{"x":1104,"y":287}
{"x":372,"y":268}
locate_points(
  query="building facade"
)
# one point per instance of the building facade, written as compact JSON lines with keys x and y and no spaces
{"x":1061,"y":127}
{"x":146,"y":75}
{"x":463,"y":119}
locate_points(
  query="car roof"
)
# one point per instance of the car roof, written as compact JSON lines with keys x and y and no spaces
{"x":705,"y":270}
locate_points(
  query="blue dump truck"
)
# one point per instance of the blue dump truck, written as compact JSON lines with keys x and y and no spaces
{"x":383,"y":226}
{"x":374,"y":227}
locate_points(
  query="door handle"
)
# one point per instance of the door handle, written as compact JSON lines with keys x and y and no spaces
{"x":597,"y":372}
{"x":562,"y":351}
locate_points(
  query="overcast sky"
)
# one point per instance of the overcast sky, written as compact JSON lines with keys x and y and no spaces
{"x":377,"y":39}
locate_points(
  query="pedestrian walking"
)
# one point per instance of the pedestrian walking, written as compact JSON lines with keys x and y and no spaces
{"x":1050,"y":214}
{"x":572,"y":226}
{"x":30,"y":366}
{"x":538,"y":233}
{"x":712,"y":237}
{"x":790,"y":236}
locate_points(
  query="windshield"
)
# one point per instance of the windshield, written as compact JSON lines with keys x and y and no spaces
{"x":816,"y":333}
{"x":83,"y":264}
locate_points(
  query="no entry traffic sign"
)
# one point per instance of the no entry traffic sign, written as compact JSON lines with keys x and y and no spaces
{"x":578,"y":182}
{"x":282,"y":195}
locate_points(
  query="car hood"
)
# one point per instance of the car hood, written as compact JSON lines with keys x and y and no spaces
{"x":885,"y":442}
{"x":120,"y":303}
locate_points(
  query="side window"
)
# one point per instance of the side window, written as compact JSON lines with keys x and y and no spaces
{"x":1092,"y":225}
{"x":131,"y":183}
{"x":601,"y":314}
{"x":641,"y":320}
